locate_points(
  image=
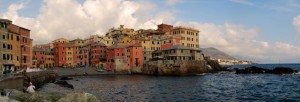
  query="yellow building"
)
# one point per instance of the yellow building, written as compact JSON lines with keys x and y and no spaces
{"x":61,"y":40}
{"x":147,"y":52}
{"x":107,"y":40}
{"x":69,"y":55}
{"x":126,"y":31}
{"x":79,"y":42}
{"x":13,"y":43}
{"x":49,"y":58}
{"x":125,"y":41}
{"x":189,"y":37}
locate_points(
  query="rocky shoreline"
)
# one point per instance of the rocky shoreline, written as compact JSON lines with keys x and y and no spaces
{"x":259,"y":70}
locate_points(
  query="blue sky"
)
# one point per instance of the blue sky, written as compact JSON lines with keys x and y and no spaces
{"x":267,"y":23}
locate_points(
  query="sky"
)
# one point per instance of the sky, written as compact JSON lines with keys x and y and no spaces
{"x":263,"y":31}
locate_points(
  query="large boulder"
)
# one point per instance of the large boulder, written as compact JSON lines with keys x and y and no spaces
{"x":64,"y":83}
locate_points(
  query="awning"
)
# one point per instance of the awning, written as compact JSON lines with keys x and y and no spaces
{"x":8,"y":64}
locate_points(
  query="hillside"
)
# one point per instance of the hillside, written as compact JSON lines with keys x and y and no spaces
{"x":216,"y":54}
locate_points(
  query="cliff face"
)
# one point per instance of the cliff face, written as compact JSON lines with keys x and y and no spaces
{"x":180,"y":67}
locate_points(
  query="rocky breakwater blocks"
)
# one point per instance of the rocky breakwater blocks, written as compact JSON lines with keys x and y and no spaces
{"x":258,"y":70}
{"x":40,"y":78}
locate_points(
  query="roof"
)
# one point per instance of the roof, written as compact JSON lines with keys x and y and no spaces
{"x":136,"y":45}
{"x":98,"y":44}
{"x":5,"y":20}
{"x":77,"y":40}
{"x":116,"y":46}
{"x":157,"y":51}
{"x":188,"y":28}
{"x":180,"y":47}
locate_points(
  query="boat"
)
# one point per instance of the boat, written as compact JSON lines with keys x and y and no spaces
{"x":100,"y":69}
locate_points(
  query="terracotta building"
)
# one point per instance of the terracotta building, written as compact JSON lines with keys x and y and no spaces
{"x":16,"y":46}
{"x":98,"y":54}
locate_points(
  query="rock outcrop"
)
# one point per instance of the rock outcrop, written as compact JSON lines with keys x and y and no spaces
{"x":64,"y":83}
{"x":48,"y":97}
{"x":39,"y":78}
{"x":258,"y":70}
{"x":180,"y":67}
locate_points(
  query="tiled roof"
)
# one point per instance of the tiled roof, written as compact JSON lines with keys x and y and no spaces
{"x":180,"y":47}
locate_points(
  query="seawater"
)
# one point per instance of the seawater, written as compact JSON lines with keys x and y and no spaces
{"x":222,"y":86}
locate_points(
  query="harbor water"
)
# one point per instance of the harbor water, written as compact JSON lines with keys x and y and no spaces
{"x":222,"y":86}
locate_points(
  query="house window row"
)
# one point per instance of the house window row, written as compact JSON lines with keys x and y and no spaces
{"x":8,"y":46}
{"x":10,"y":37}
{"x":8,"y":57}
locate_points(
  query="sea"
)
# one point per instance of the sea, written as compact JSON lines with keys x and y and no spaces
{"x":210,"y":87}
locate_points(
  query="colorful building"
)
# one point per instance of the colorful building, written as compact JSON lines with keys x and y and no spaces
{"x":134,"y":57}
{"x":115,"y":57}
{"x":98,"y":54}
{"x":189,"y":37}
{"x":16,"y":46}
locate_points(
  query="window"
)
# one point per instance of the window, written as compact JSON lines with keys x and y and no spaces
{"x":17,"y":58}
{"x":181,"y":51}
{"x":12,"y":37}
{"x":7,"y":55}
{"x":11,"y":57}
{"x":18,"y":38}
{"x":4,"y":46}
{"x":4,"y":57}
{"x":3,"y":36}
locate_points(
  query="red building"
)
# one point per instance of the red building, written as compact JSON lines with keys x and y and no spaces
{"x":26,"y":46}
{"x":97,"y":54}
{"x":38,"y":59}
{"x":170,"y":41}
{"x":164,"y":28}
{"x":113,"y":53}
{"x":60,"y":54}
{"x":135,"y":53}
{"x":76,"y":54}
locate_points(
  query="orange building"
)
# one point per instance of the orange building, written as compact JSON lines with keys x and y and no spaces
{"x":16,"y":46}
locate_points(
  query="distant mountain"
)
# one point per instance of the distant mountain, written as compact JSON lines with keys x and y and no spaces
{"x":216,"y":54}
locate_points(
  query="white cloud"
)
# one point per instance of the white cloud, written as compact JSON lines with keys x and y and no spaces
{"x":71,"y":19}
{"x":172,"y":2}
{"x":245,"y":2}
{"x":238,"y":40}
{"x":296,"y":23}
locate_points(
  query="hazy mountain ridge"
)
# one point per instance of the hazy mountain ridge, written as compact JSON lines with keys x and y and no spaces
{"x":216,"y":54}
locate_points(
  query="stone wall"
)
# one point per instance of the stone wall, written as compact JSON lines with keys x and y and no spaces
{"x":12,"y":82}
{"x":176,"y":67}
